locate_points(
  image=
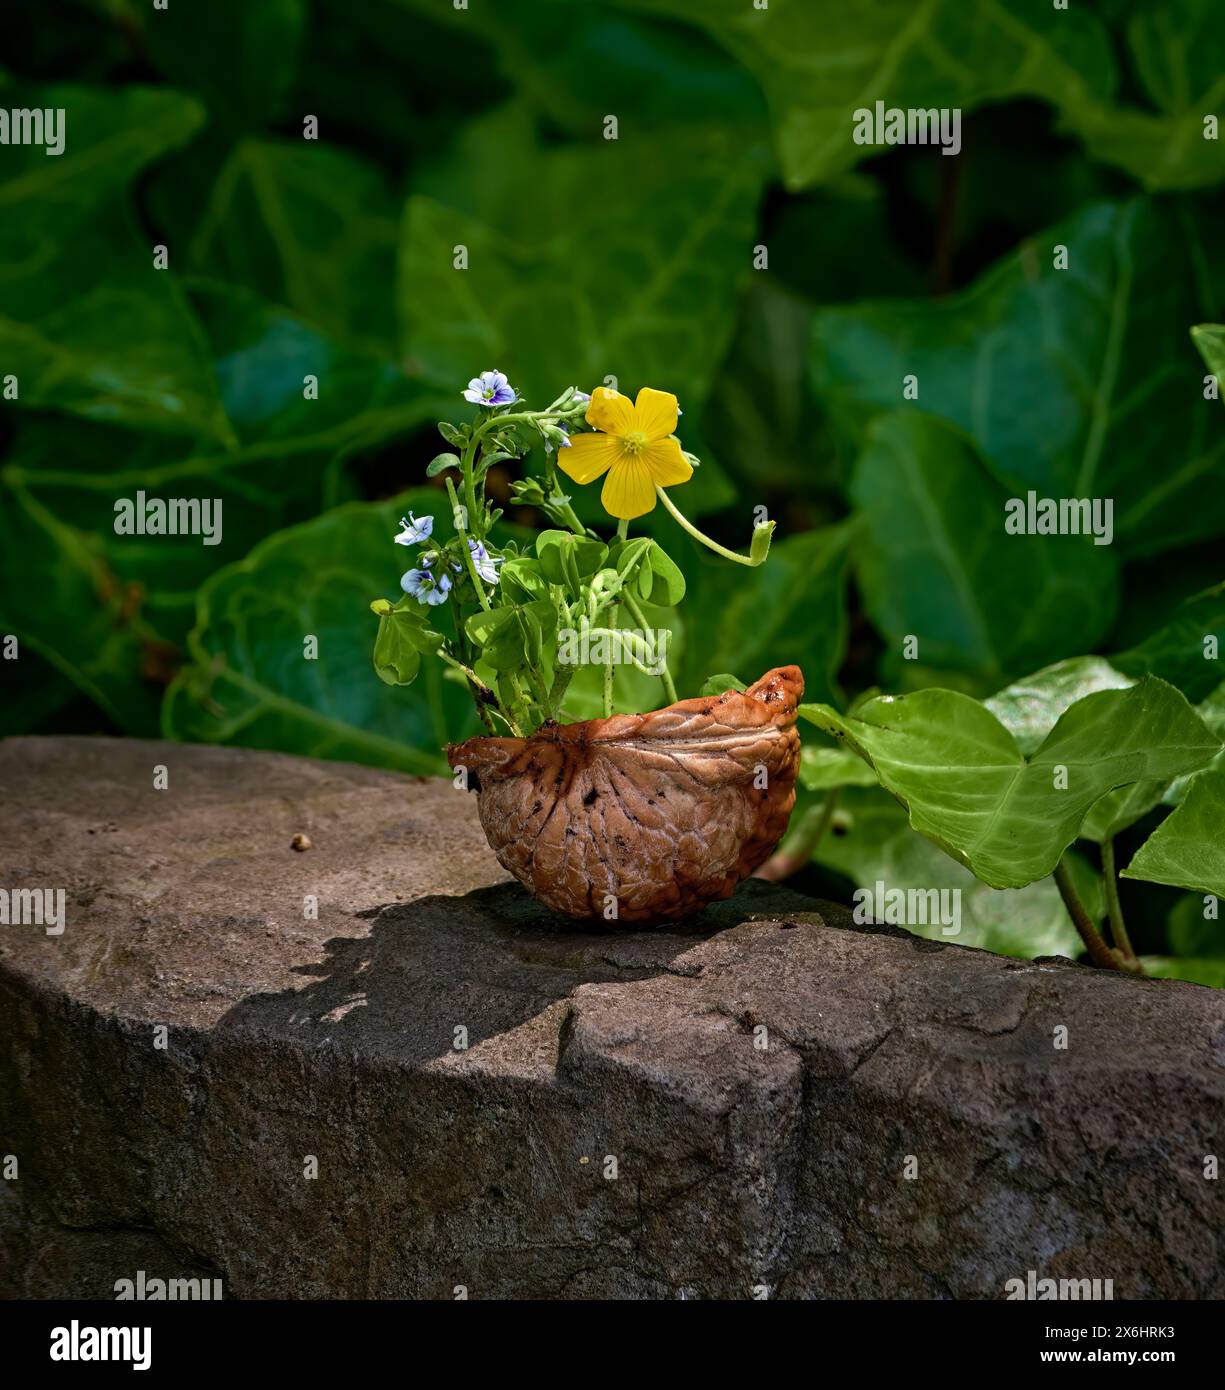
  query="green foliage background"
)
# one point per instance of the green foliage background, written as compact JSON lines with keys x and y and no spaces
{"x":484,"y":126}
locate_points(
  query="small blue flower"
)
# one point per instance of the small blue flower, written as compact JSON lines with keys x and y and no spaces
{"x":486,"y":565}
{"x":424,"y":585}
{"x":584,"y":396}
{"x":415,"y":531}
{"x":491,"y":388}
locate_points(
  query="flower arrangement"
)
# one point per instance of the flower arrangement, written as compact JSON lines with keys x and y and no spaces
{"x":514,"y":621}
{"x":630,"y":817}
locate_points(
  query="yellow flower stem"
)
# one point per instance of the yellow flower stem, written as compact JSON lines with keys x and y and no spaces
{"x":608,"y":665}
{"x":623,"y":528}
{"x":698,"y":536}
{"x":640,"y":618}
{"x":469,"y":558}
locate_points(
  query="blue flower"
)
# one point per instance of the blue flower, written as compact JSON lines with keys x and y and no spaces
{"x":414,"y":531}
{"x":491,"y":388}
{"x":486,"y":565}
{"x":424,"y":585}
{"x":584,"y":396}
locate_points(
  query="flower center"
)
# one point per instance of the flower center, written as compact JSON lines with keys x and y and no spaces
{"x":634,"y":442}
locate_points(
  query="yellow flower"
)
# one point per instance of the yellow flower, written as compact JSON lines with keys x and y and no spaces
{"x":631,"y":446}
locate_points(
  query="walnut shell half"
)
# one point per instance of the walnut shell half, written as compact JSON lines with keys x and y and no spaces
{"x":665,"y":811}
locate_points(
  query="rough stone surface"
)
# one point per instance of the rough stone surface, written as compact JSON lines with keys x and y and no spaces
{"x":736,"y":1166}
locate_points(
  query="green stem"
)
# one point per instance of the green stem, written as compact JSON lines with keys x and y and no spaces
{"x":608,"y":665}
{"x":699,"y":536}
{"x":639,"y":617}
{"x":1099,"y":953}
{"x":800,"y":847}
{"x":623,"y":528}
{"x":1110,"y":882}
{"x":469,"y":558}
{"x":561,"y":681}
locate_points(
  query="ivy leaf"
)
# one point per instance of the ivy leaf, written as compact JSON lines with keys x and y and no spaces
{"x":716,"y":685}
{"x":1186,"y":651}
{"x":1187,"y":850}
{"x":1008,"y":818}
{"x":821,"y":60}
{"x":564,"y":287}
{"x":1098,"y":352}
{"x":936,"y":564}
{"x":875,"y":844}
{"x":304,"y":224}
{"x":1030,"y":708}
{"x":823,"y":768}
{"x":239,"y":57}
{"x":250,"y":681}
{"x":69,"y":216}
{"x":1210,"y":339}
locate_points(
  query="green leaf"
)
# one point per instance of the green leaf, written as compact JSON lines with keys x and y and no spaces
{"x":823,"y":768}
{"x":564,"y":556}
{"x":1198,"y":971}
{"x":1098,"y":352}
{"x":1178,"y":51}
{"x":238,"y":56}
{"x":875,"y":844}
{"x":821,"y":60}
{"x":249,"y":681}
{"x":667,"y":586}
{"x":307,"y":225}
{"x":1007,"y":818}
{"x":1186,"y":651}
{"x":1210,"y":339}
{"x":936,"y":564}
{"x":716,"y":685}
{"x":1195,"y":928}
{"x":521,"y":578}
{"x":440,"y":463}
{"x":68,"y":218}
{"x":1187,"y":850}
{"x":1030,"y":708}
{"x":563,"y":286}
{"x":514,"y":636}
{"x":125,"y":602}
{"x":402,"y":637}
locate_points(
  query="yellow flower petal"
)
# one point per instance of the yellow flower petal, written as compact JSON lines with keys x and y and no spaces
{"x":610,"y":411}
{"x":628,"y":490}
{"x":588,"y":456}
{"x":655,"y":413}
{"x":666,"y":464}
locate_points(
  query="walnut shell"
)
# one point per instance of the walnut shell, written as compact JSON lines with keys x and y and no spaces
{"x":665,"y":811}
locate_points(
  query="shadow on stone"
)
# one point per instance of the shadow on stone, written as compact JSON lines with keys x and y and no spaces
{"x":488,"y":961}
